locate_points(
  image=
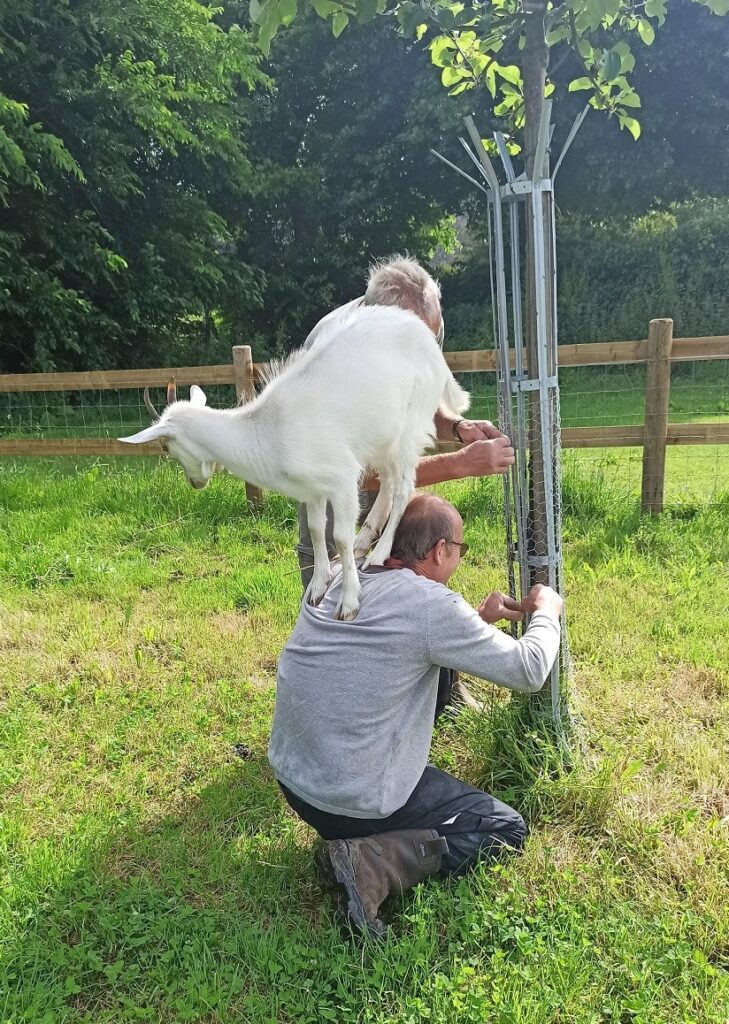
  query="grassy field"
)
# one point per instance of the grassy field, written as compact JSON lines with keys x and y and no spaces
{"x":150,"y":870}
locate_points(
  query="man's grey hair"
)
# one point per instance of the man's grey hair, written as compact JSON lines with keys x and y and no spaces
{"x":420,"y":529}
{"x":400,"y":281}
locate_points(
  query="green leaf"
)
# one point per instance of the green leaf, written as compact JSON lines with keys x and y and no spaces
{"x":631,"y":124}
{"x":629,"y":98}
{"x":720,"y":7}
{"x":339,"y":23}
{"x":442,"y":51}
{"x":627,"y":60}
{"x":453,"y":75}
{"x":611,"y":65}
{"x":409,"y":16}
{"x":367,"y":10}
{"x":557,"y":35}
{"x":444,"y":18}
{"x":580,"y":83}
{"x":254,"y":9}
{"x":324,"y":7}
{"x":510,"y":73}
{"x":646,"y":31}
{"x":264,"y":10}
{"x":656,"y":9}
{"x":287,"y":10}
{"x":269,"y":22}
{"x":593,"y":13}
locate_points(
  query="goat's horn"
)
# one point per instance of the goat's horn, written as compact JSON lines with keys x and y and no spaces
{"x":148,"y":404}
{"x":171,"y":392}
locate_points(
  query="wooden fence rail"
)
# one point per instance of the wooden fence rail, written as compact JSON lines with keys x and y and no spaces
{"x":659,"y":350}
{"x":476,"y":361}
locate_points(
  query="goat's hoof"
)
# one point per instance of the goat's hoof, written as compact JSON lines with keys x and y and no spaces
{"x":345,"y":614}
{"x":315,"y":595}
{"x":362,"y":543}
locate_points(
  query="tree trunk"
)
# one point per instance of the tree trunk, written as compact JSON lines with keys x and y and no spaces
{"x":536,"y":57}
{"x":541,"y":420}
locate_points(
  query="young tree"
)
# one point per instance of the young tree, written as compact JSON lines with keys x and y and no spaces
{"x":506,"y":46}
{"x":512,"y":47}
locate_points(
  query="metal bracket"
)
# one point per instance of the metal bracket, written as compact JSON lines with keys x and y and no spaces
{"x":543,"y":561}
{"x":459,"y":171}
{"x":531,"y":383}
{"x":525,"y":187}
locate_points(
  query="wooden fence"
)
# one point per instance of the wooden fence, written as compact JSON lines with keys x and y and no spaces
{"x":658,"y":351}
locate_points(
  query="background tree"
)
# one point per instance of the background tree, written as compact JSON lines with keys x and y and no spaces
{"x":120,"y":141}
{"x":513,"y":48}
{"x":340,"y":151}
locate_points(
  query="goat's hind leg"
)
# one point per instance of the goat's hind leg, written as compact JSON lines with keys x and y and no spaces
{"x":344,"y":510}
{"x":374,"y":524}
{"x":316,"y":513}
{"x":404,"y":487}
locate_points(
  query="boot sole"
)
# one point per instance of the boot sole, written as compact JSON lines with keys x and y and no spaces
{"x":344,"y":874}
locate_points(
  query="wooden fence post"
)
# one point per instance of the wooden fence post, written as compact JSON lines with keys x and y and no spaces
{"x":658,"y":390}
{"x":245,"y":389}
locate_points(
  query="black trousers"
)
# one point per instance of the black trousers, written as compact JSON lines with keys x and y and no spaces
{"x":474,"y":823}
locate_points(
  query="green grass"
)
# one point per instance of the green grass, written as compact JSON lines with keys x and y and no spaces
{"x":148,"y":872}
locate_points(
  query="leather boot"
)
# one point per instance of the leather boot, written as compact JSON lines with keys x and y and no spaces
{"x":374,"y":867}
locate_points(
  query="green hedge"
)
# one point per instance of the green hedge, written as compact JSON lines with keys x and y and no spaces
{"x":615,"y":276}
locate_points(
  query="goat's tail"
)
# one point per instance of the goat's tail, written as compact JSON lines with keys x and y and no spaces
{"x":455,"y":400}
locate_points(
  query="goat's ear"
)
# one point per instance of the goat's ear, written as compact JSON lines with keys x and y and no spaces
{"x":148,"y":434}
{"x":197,"y":396}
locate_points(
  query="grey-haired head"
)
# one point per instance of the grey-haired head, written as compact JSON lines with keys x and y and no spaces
{"x":401,"y":281}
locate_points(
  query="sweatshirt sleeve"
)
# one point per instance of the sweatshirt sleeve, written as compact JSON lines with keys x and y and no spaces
{"x":458,"y":638}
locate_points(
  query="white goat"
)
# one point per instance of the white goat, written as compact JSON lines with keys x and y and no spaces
{"x":363,"y":396}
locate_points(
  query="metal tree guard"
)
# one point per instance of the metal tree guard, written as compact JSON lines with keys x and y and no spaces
{"x":528,"y":389}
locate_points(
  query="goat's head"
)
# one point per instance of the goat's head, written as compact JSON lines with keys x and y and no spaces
{"x":169,"y":428}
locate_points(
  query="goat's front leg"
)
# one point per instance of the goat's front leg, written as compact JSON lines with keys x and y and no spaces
{"x":344,"y":512}
{"x":316,"y":514}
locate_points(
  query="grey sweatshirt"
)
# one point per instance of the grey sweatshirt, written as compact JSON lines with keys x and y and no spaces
{"x":355,"y":700}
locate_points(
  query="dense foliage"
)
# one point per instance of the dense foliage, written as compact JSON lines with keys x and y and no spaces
{"x":511,"y":48}
{"x":165,"y":194}
{"x":120,"y":137}
{"x":344,"y":175}
{"x":615,"y":275}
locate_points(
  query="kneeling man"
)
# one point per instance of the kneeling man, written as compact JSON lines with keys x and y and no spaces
{"x":355,"y":705}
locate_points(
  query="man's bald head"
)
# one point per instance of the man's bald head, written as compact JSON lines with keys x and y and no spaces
{"x":426,"y":520}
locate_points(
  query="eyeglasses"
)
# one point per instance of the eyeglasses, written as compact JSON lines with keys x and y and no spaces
{"x":461,"y":545}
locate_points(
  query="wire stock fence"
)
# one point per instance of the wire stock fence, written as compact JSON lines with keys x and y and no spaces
{"x":646,"y":417}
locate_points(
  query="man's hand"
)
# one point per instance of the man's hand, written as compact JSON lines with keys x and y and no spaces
{"x":478,"y":430}
{"x":486,"y":457}
{"x":499,"y":606}
{"x":543,"y":599}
